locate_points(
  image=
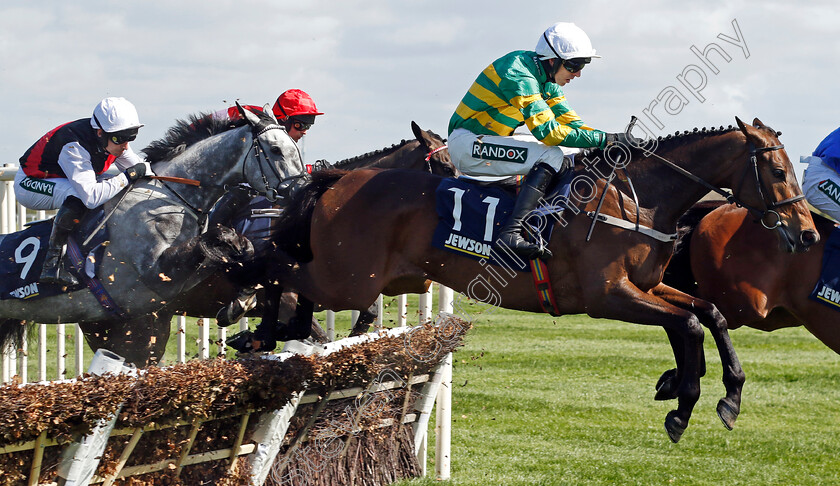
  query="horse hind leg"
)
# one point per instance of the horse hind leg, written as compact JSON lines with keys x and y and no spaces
{"x":729,"y":407}
{"x":666,"y":386}
{"x":630,"y":304}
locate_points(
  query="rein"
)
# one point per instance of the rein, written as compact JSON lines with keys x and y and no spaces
{"x":731,"y":197}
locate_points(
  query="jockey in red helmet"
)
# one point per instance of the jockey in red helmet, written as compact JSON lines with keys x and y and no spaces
{"x":294,"y":109}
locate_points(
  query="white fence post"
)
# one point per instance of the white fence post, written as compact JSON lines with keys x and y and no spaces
{"x":402,"y":304}
{"x":330,"y":325}
{"x":61,"y":335}
{"x":204,"y":338}
{"x":443,"y":420}
{"x":426,"y":306}
{"x":182,"y":339}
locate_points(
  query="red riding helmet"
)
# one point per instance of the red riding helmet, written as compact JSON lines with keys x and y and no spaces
{"x":294,"y":102}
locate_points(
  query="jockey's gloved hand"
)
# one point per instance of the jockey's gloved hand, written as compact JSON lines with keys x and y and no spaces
{"x":623,"y":138}
{"x":135,"y":172}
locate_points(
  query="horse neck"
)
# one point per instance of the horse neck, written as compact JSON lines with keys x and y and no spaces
{"x":215,"y":162}
{"x":403,"y":156}
{"x":669,"y":194}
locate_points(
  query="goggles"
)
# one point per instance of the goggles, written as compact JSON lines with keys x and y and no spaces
{"x":301,"y":126}
{"x":576,"y":64}
{"x":123,"y":136}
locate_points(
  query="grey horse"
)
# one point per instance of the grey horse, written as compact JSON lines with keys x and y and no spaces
{"x":158,"y":245}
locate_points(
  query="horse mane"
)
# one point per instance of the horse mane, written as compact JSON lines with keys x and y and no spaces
{"x":185,"y":133}
{"x":371,"y":154}
{"x":295,"y":222}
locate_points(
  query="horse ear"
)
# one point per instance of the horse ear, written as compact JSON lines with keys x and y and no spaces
{"x":420,"y":135}
{"x":251,"y":118}
{"x":268,"y":111}
{"x":741,"y":125}
{"x":757,"y":123}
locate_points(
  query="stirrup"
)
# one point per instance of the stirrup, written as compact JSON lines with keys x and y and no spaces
{"x":522,"y":248}
{"x":54,"y":273}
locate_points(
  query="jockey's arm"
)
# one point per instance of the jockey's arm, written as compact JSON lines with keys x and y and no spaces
{"x":75,"y":162}
{"x":129,"y":158}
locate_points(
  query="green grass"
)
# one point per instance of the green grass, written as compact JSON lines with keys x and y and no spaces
{"x":544,"y":401}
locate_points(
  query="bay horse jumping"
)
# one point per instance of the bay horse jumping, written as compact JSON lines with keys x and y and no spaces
{"x":426,"y":152}
{"x":617,"y":274}
{"x":730,"y":260}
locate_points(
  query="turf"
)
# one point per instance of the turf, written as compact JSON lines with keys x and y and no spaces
{"x":544,"y":401}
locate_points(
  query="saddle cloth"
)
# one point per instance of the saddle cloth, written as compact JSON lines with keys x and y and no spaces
{"x":827,"y":289}
{"x":471,"y":215}
{"x":22,"y":255}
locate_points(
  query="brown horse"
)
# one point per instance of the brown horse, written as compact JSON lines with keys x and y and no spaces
{"x":730,"y":260}
{"x":427,"y":152}
{"x":615,"y":275}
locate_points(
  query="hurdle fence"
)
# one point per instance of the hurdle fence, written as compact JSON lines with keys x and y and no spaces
{"x":16,"y":362}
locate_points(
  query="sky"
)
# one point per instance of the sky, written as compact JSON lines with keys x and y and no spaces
{"x":373,"y":66}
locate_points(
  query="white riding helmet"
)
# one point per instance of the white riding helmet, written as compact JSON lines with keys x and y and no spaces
{"x":114,"y":115}
{"x":566,"y":41}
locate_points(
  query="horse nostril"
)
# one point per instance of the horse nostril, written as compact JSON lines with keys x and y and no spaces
{"x":809,"y":238}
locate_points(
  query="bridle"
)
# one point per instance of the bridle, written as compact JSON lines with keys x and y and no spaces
{"x":770,"y":206}
{"x":287,"y":184}
{"x":430,"y":154}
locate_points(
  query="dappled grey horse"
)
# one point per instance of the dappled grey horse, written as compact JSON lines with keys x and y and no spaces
{"x":158,"y":246}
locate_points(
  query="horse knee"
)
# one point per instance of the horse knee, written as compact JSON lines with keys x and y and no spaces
{"x":694,"y":329}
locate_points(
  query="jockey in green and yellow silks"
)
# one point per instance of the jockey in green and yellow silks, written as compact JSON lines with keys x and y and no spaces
{"x":524,"y":88}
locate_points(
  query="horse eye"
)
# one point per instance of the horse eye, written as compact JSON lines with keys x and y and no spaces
{"x":276,"y":150}
{"x":779,"y":174}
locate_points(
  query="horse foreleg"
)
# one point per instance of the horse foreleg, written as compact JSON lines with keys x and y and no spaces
{"x":628,"y":303}
{"x":366,"y":318}
{"x":733,"y":375}
{"x":218,"y":247}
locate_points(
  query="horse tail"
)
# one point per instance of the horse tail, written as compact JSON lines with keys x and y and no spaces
{"x":295,"y":222}
{"x":678,"y":274}
{"x":13,"y":332}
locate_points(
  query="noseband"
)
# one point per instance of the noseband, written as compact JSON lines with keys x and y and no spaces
{"x":770,"y":206}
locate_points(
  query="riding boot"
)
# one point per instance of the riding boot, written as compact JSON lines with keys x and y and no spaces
{"x":66,"y":219}
{"x":532,"y":190}
{"x":235,"y":310}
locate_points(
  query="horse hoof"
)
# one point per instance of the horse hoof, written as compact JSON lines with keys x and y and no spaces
{"x":728,"y":412}
{"x":666,"y":387}
{"x":675,"y":426}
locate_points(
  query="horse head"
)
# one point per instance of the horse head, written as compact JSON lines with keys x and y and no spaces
{"x":273,"y":166}
{"x":438,"y":159}
{"x":767,"y":186}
